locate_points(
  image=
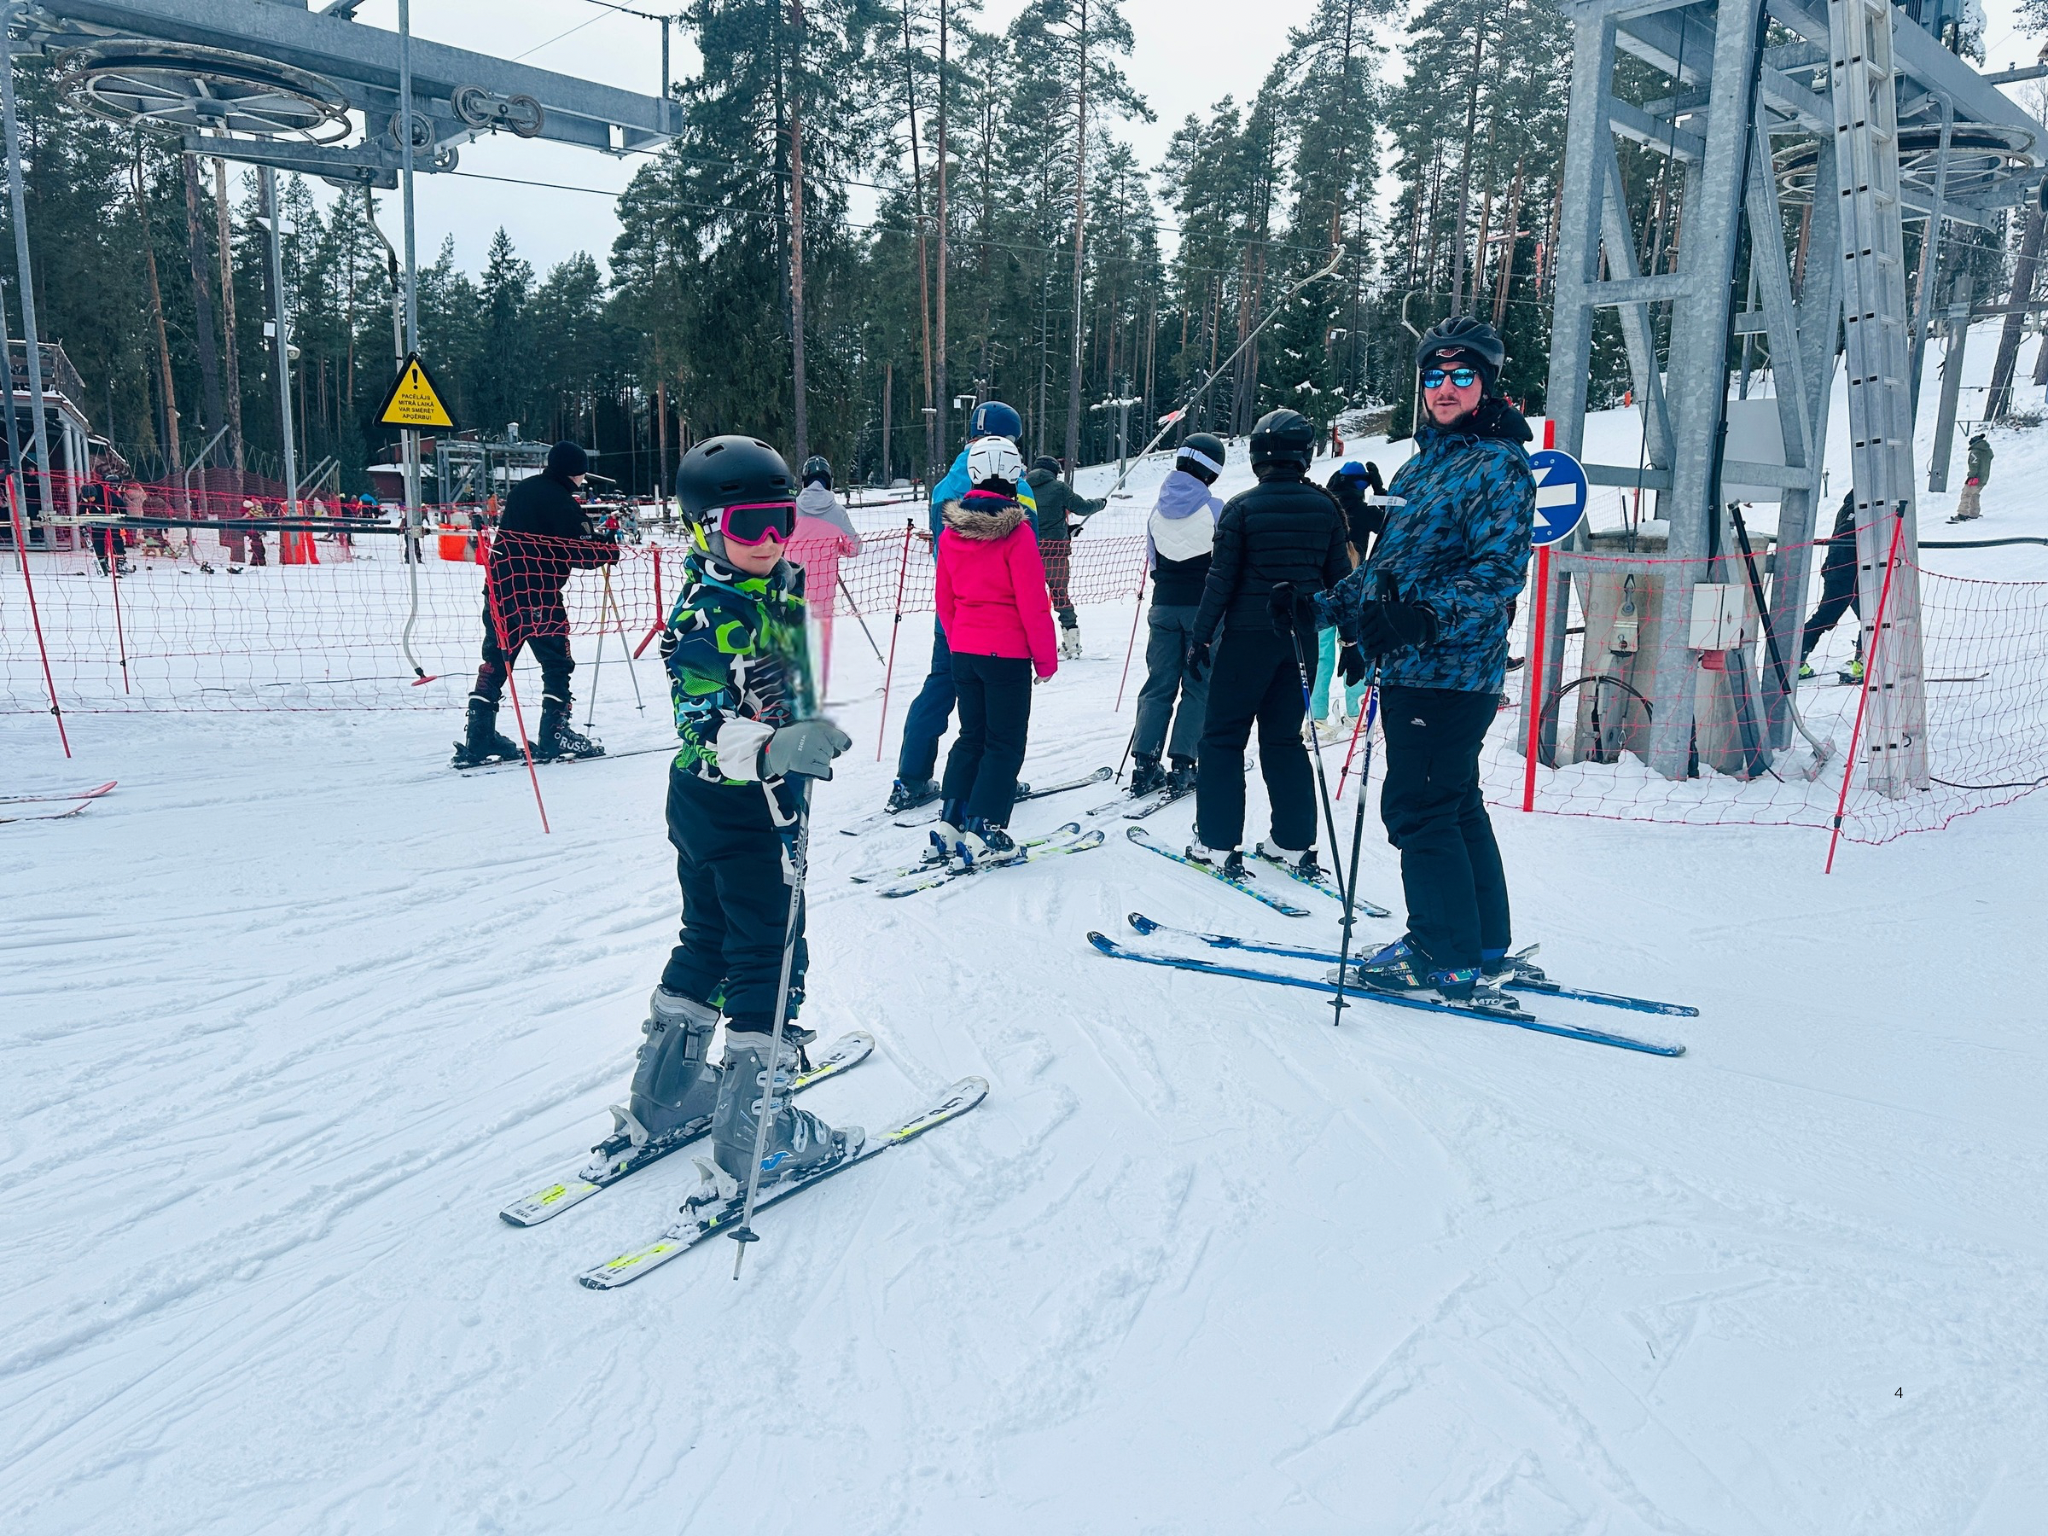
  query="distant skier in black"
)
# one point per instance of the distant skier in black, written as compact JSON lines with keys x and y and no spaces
{"x":1059,"y":502}
{"x":542,"y":537}
{"x":1281,"y":539}
{"x":1837,"y":592}
{"x":1178,"y":539}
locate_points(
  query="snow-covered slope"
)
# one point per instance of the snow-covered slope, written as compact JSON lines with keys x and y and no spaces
{"x":295,"y":1010}
{"x":292,"y":1013}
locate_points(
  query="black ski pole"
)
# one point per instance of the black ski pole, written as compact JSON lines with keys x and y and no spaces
{"x":1308,"y":714}
{"x":1372,"y":709}
{"x":764,"y":1110}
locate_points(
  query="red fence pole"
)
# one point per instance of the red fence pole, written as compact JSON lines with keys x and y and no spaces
{"x":1891,"y":563}
{"x":1539,"y":623}
{"x":35,"y":618}
{"x":1143,"y":572}
{"x":660,"y":618}
{"x":889,"y":671}
{"x":506,"y":658}
{"x":1351,"y":751}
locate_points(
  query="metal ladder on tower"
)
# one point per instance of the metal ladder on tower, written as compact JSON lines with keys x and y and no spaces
{"x":1876,"y":346}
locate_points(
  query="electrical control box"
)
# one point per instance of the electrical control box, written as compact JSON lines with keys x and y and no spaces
{"x":1719,"y":612}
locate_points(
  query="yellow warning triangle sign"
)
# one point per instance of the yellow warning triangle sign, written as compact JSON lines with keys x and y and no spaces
{"x":413,"y":401}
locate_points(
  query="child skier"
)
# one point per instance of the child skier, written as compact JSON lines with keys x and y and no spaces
{"x":996,"y":611}
{"x":1283,"y":532}
{"x":1178,"y":539}
{"x":733,"y":651}
{"x":824,"y":536}
{"x":1059,"y":506}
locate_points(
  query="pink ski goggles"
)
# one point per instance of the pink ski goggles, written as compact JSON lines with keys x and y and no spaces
{"x":754,"y":522}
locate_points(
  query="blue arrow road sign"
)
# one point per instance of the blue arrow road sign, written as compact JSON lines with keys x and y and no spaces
{"x":1560,"y":494}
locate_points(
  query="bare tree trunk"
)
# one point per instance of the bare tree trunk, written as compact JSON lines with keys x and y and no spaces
{"x":1507,"y":259}
{"x":1479,"y":249}
{"x":156,"y":310}
{"x":802,"y":422}
{"x":227,"y":312}
{"x":202,"y":300}
{"x":945,"y":401}
{"x":661,"y":485}
{"x":1465,"y":165}
{"x":924,"y":295}
{"x":1080,"y":242}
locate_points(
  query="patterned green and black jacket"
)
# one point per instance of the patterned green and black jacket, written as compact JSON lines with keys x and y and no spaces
{"x":737,"y":663}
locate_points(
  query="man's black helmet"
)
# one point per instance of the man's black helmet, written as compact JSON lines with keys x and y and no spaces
{"x":1283,"y":437}
{"x":730,"y":471}
{"x":818,"y":471}
{"x":1478,"y":342}
{"x":1201,"y":455}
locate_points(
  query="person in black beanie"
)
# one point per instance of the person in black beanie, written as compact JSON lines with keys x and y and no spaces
{"x":1283,"y":533}
{"x":542,"y":537}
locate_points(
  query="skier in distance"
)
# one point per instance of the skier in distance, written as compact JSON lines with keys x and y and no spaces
{"x":925,"y":721}
{"x":824,"y":536}
{"x":732,"y":816}
{"x":1178,"y":539}
{"x":1062,"y":511}
{"x":1433,"y":606}
{"x":1276,"y":544}
{"x":994,"y":606}
{"x":542,"y":537}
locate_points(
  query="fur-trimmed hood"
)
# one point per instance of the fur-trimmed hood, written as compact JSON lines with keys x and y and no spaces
{"x":983,"y":516}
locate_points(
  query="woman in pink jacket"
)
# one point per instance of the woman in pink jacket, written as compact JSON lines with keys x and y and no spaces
{"x":997,"y":614}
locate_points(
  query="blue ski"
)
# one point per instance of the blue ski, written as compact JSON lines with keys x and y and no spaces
{"x":1138,"y":836}
{"x":1146,"y":925}
{"x":1116,"y":951}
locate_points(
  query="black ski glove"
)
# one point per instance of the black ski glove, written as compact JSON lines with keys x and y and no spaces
{"x":805,"y":749}
{"x":1291,"y":609}
{"x":1351,"y":662}
{"x":1197,"y":666}
{"x":1389,"y":624}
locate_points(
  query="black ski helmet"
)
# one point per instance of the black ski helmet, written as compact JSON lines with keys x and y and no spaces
{"x":1202,"y":455}
{"x":818,"y":471}
{"x":992,"y":418}
{"x":1477,"y":341}
{"x":1283,"y":437}
{"x":727,"y":471}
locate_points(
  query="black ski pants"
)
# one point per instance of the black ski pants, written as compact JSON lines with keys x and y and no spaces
{"x":550,"y":651}
{"x":1256,"y":679}
{"x":994,"y":694}
{"x":926,"y":720}
{"x":1837,"y":597}
{"x":1169,"y":627}
{"x":733,"y":864}
{"x":1450,"y":865}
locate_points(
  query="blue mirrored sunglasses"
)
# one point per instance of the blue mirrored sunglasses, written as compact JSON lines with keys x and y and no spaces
{"x":1464,"y":378}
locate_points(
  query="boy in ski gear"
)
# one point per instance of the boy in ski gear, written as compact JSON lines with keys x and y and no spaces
{"x":1968,"y":508}
{"x":542,"y":537}
{"x":1432,"y":606}
{"x":1178,"y":538}
{"x":1837,"y":589}
{"x":925,"y":721}
{"x":1283,"y":532}
{"x":824,"y":536}
{"x":994,"y":605}
{"x":1058,"y":505}
{"x":733,"y":647}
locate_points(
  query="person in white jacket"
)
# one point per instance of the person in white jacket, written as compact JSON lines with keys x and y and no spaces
{"x":1178,"y":538}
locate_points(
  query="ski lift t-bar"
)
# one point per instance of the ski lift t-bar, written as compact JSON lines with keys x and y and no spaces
{"x":1336,"y":257}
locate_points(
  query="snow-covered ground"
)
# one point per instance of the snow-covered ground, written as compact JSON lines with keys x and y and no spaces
{"x":293,"y":1012}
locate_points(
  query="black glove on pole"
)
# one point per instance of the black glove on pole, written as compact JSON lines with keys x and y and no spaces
{"x":1301,"y":667}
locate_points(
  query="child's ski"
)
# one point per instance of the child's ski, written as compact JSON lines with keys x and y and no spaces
{"x":692,"y":1227}
{"x":1370,"y":909}
{"x":1034,"y":849}
{"x":1139,"y":836}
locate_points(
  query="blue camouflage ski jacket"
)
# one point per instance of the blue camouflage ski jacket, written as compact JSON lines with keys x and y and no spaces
{"x":1457,"y":540}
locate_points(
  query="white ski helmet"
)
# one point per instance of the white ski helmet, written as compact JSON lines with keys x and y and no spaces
{"x":994,"y":458}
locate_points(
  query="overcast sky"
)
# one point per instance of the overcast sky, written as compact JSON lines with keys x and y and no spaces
{"x":1189,"y":54}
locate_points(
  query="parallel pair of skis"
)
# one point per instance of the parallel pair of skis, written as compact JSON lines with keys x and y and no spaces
{"x":614,"y":1160}
{"x":933,"y":871}
{"x":1108,"y":946}
{"x":1144,"y":840}
{"x":920,"y":815}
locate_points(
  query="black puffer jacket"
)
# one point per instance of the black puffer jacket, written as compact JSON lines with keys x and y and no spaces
{"x":542,"y":537}
{"x":1279,"y":530}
